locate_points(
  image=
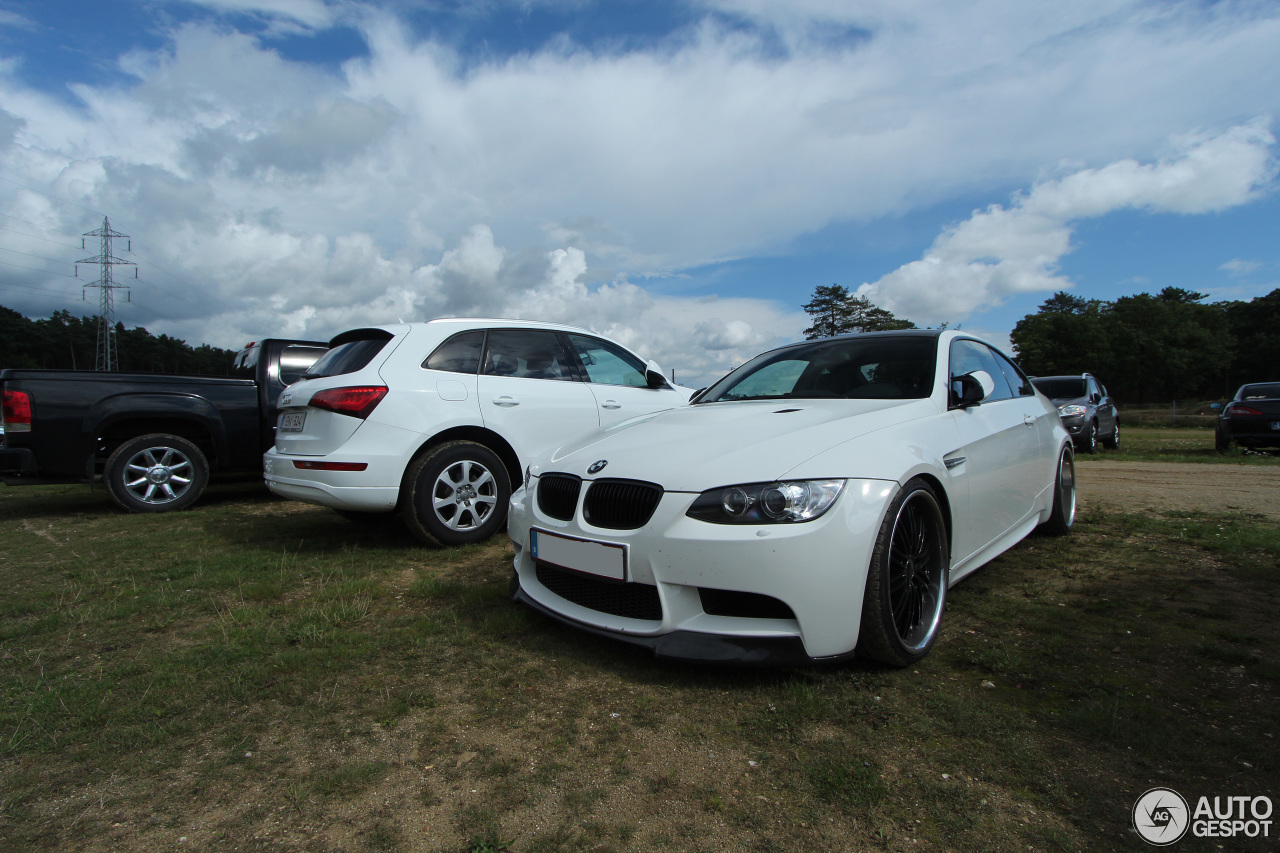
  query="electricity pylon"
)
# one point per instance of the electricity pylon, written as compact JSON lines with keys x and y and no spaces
{"x":106,"y":357}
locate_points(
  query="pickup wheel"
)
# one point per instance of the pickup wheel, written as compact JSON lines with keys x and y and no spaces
{"x":456,"y":494}
{"x":156,"y":473}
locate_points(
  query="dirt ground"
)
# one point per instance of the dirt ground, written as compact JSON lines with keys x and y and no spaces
{"x":1138,"y":486}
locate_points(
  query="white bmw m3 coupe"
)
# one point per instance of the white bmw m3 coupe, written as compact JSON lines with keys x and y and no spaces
{"x":816,"y":502}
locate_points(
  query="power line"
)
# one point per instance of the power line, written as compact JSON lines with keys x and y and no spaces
{"x":35,"y":236}
{"x":36,"y":224}
{"x":37,"y":269}
{"x":29,"y":255}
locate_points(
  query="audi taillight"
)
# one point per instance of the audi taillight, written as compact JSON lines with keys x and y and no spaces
{"x":1242,"y":410}
{"x":357,"y":401}
{"x":17,"y":411}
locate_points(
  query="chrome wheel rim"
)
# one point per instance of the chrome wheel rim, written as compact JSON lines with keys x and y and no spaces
{"x":158,"y":475}
{"x":1067,"y":487}
{"x":464,"y":495}
{"x":917,"y":572}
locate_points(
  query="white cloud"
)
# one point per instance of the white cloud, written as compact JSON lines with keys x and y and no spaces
{"x":1240,"y":266}
{"x":265,"y":193}
{"x":1003,"y":251}
{"x":310,"y":14}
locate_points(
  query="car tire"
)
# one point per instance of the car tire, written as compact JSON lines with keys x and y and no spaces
{"x":1063,"y":513}
{"x":1089,"y":441}
{"x":907,"y":580}
{"x":156,"y":473}
{"x":455,"y":494}
{"x":1112,"y":442}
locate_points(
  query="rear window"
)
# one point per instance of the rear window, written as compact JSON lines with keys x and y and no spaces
{"x":1065,"y":388}
{"x":348,"y":357}
{"x":295,"y":361}
{"x":1269,"y":391}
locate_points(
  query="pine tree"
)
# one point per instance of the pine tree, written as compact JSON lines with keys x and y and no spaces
{"x":836,"y":312}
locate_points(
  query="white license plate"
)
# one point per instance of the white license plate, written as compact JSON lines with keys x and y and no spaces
{"x":292,"y":421}
{"x":581,"y":555}
{"x":1275,"y":424}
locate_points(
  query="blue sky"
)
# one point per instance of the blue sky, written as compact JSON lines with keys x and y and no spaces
{"x":680,"y":175}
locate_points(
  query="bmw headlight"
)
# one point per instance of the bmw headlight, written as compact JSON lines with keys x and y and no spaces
{"x":1072,"y":411}
{"x":766,"y":503}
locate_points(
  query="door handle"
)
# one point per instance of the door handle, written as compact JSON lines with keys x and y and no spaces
{"x":1029,"y":420}
{"x":506,"y":402}
{"x":611,"y":404}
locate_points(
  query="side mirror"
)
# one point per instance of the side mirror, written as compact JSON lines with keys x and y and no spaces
{"x":655,"y":380}
{"x":971,"y":389}
{"x":1215,"y":406}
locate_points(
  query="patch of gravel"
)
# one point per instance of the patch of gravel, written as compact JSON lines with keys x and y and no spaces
{"x":1164,"y":486}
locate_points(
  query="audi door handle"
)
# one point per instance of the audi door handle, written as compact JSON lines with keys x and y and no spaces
{"x":1029,"y":420}
{"x":611,"y":404}
{"x":506,"y":402}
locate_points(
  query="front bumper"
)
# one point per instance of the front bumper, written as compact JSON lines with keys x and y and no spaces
{"x":815,"y":571}
{"x":696,"y":646}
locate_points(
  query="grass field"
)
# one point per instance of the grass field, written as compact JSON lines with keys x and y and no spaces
{"x":1180,"y":444}
{"x":256,"y":674}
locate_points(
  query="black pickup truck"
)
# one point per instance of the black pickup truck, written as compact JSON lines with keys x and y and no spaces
{"x":153,"y":439}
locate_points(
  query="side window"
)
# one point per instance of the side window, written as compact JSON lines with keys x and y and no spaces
{"x":607,"y":364}
{"x":1017,"y":381}
{"x":526,"y":354}
{"x":459,"y":354}
{"x":968,"y":356}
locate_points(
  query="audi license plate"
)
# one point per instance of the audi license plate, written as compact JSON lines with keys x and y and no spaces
{"x":580,"y":555}
{"x":292,"y":421}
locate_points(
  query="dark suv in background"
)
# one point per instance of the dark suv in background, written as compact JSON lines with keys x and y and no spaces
{"x":1086,"y":410}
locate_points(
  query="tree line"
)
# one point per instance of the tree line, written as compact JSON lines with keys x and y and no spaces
{"x":1145,"y":348}
{"x":64,"y":342}
{"x":1155,"y":348}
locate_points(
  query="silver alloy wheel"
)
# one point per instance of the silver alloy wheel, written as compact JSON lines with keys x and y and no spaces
{"x":158,"y":475}
{"x":1067,"y":486}
{"x":917,"y":572}
{"x":464,"y":495}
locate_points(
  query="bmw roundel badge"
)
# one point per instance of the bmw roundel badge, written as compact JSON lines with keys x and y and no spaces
{"x":597,"y":467}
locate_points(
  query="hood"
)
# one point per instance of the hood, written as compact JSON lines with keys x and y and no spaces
{"x":694,"y":448}
{"x":1069,"y":401}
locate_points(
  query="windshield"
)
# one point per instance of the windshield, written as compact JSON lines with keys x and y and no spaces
{"x":1061,"y":387}
{"x":867,"y":368}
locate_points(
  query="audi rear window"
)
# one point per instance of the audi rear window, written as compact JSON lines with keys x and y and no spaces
{"x":349,"y":352}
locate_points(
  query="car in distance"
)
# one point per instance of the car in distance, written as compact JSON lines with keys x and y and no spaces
{"x":1251,"y":418}
{"x":435,"y":420}
{"x":1086,"y":409}
{"x":819,"y":499}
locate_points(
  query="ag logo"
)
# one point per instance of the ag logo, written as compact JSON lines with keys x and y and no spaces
{"x":597,"y":467}
{"x":1161,"y":816}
